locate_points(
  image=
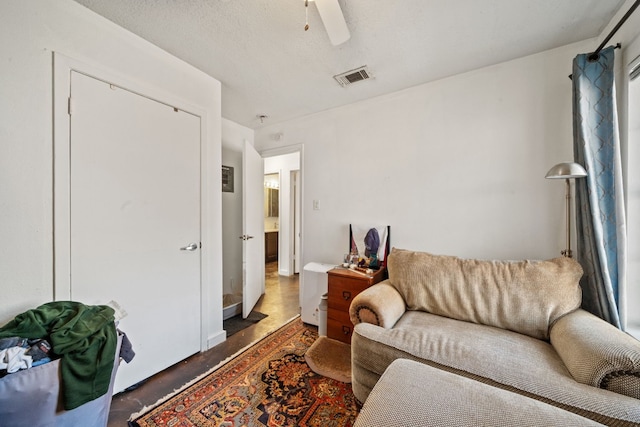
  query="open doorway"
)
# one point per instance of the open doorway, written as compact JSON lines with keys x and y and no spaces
{"x":286,"y":165}
{"x":271,"y":224}
{"x":231,"y":230}
{"x":282,"y":214}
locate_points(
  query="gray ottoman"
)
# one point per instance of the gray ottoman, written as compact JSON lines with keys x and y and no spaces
{"x":412,"y":394}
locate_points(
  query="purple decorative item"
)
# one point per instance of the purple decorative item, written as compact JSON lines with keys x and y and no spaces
{"x":371,"y":242}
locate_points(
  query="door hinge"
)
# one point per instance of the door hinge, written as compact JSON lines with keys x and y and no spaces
{"x":69,"y":106}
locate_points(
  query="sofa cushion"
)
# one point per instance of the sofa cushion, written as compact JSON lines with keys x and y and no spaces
{"x":494,"y":356}
{"x":453,"y":400}
{"x":521,"y":296}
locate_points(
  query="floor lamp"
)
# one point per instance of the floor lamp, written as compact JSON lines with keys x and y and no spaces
{"x":566,"y":171}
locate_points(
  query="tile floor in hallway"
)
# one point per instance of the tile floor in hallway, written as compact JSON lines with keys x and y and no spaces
{"x":280,"y":302}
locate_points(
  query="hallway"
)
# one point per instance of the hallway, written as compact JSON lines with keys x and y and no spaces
{"x":280,"y":302}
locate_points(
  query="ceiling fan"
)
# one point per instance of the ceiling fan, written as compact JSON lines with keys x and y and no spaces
{"x":332,"y":18}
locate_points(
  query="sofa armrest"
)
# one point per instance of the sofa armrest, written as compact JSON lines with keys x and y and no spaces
{"x":597,"y":353}
{"x":380,"y":304}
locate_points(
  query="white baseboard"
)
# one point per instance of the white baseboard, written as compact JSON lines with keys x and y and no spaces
{"x":216,"y":339}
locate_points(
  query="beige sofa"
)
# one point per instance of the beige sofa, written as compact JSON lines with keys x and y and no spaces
{"x":513,"y":325}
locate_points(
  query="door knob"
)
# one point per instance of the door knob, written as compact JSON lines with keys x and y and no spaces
{"x":246,"y":237}
{"x":191,"y":247}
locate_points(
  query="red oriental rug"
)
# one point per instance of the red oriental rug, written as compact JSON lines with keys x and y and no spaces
{"x":269,"y":384}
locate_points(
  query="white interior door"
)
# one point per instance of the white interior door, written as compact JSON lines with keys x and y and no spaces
{"x":253,"y":228}
{"x":135,"y":219}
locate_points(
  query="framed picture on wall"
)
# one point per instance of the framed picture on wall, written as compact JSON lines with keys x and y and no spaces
{"x":227,"y":179}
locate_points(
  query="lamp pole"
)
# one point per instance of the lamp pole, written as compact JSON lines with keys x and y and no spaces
{"x":567,"y":170}
{"x":567,"y":252}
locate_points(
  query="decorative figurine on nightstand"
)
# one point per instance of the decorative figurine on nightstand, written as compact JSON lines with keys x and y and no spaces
{"x":371,"y":243}
{"x":373,"y":261}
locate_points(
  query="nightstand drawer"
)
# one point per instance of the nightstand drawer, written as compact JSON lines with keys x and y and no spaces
{"x":339,"y":315}
{"x":342,"y":292}
{"x":339,"y":331}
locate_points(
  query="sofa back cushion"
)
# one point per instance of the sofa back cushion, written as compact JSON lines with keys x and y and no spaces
{"x":521,"y":296}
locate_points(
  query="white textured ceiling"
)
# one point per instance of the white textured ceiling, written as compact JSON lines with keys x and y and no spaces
{"x":269,"y":65}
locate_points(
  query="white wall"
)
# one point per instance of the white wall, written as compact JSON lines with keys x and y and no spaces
{"x":454,"y":166}
{"x":30,"y":31}
{"x":283,"y":165}
{"x":233,"y":137}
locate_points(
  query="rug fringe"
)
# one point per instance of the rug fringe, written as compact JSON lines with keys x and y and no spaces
{"x":160,"y":401}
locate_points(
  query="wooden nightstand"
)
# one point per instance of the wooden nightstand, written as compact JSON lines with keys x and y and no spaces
{"x":344,"y":285}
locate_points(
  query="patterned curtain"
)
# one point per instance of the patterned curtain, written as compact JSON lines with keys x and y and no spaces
{"x":600,"y":222}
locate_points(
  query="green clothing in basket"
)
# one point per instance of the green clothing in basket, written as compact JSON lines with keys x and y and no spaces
{"x":83,"y":336}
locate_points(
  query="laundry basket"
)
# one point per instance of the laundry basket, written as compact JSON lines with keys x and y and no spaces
{"x":32,"y":398}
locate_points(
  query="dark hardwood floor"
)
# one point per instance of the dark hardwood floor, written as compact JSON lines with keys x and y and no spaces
{"x":280,"y":303}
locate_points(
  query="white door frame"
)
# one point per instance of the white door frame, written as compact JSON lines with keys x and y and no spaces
{"x":63,"y":65}
{"x":297,"y":148}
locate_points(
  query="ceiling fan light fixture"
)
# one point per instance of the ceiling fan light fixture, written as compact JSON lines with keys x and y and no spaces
{"x":333,"y":20}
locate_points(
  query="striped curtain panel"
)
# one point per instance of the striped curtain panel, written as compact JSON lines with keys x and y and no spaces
{"x":600,"y":222}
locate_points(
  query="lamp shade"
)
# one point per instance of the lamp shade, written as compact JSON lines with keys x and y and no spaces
{"x":566,"y":170}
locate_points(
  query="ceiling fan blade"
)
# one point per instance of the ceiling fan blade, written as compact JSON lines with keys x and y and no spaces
{"x":333,"y":20}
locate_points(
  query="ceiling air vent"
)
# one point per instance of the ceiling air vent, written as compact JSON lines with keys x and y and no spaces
{"x":353,"y":76}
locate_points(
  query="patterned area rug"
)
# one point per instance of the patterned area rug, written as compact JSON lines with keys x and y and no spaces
{"x":269,"y":384}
